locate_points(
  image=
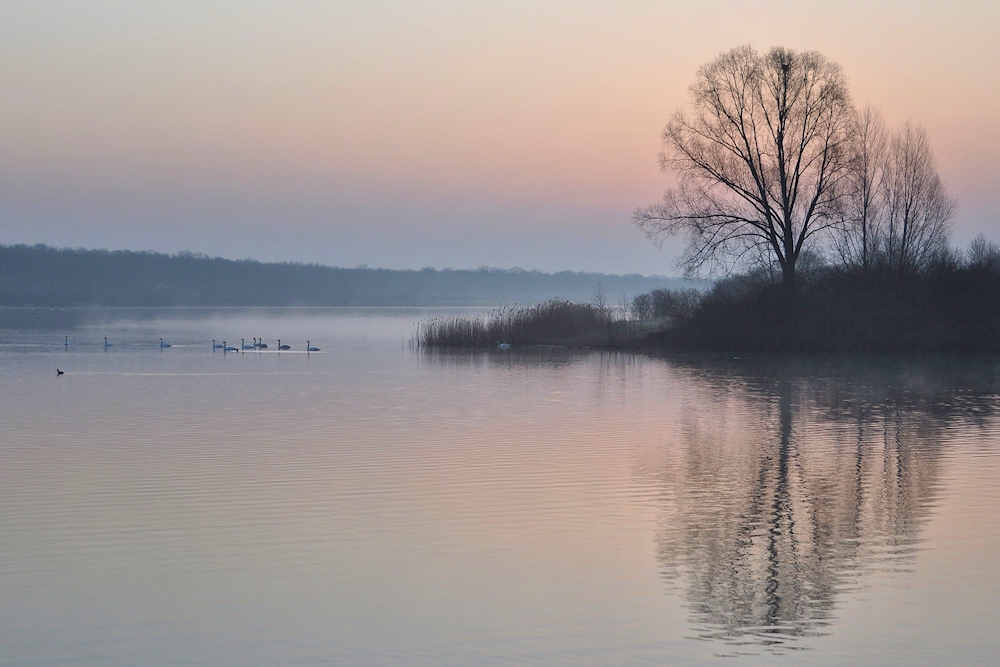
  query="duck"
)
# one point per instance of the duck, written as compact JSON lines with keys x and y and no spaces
{"x":310,"y":348}
{"x":163,"y":345}
{"x":283,"y":347}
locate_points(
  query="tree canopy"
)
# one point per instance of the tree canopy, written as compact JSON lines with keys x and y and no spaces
{"x":773,"y":161}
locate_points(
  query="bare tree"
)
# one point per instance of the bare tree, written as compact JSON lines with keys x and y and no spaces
{"x":983,"y":255}
{"x":918,"y":209}
{"x":760,"y":162}
{"x":864,"y":205}
{"x":599,"y":295}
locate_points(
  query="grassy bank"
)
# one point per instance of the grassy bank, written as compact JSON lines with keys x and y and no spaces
{"x":554,"y":322}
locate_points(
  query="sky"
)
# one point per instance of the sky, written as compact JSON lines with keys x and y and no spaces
{"x":443,"y":134}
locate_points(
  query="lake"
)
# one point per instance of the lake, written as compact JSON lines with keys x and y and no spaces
{"x":375,"y":504}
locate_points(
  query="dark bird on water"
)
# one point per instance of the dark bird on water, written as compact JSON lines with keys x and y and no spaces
{"x":59,"y":372}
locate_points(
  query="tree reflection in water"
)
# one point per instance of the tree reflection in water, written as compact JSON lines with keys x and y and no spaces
{"x":792,"y":479}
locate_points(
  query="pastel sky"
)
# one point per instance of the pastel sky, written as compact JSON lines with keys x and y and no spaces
{"x":411,"y":134}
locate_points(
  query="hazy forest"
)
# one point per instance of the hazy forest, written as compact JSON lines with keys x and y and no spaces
{"x":44,"y":276}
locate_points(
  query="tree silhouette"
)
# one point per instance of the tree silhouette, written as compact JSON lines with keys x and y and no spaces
{"x":761,"y":161}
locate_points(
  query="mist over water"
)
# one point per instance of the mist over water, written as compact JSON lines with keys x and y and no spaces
{"x":372,"y":504}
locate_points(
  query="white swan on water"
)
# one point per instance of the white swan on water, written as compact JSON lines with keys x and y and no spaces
{"x":283,"y":347}
{"x":107,"y":344}
{"x":216,"y":346}
{"x":163,"y":345}
{"x":229,"y":348}
{"x":243,"y":343}
{"x":503,"y":346}
{"x":309,"y":348}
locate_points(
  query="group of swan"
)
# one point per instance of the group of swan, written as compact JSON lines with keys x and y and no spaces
{"x":256,"y":345}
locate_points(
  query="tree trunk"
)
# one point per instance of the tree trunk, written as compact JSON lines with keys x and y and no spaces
{"x":788,"y":275}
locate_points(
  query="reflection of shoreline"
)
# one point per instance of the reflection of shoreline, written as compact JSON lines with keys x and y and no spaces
{"x":789,"y":484}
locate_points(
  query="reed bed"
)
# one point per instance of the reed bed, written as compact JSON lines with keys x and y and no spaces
{"x":554,"y":322}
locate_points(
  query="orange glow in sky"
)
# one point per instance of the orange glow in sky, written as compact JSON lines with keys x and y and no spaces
{"x":428,"y":133}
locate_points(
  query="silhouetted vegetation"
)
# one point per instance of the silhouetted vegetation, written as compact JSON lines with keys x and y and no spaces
{"x":554,"y":322}
{"x":43,"y":276}
{"x":952,"y":305}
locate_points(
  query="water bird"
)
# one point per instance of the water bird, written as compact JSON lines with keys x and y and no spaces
{"x":503,"y":346}
{"x":66,"y":343}
{"x":59,"y":372}
{"x":261,"y":345}
{"x":107,"y":344}
{"x":243,"y":344}
{"x":310,"y":348}
{"x":216,"y":346}
{"x":163,"y":345}
{"x":283,"y":347}
{"x":228,"y":348}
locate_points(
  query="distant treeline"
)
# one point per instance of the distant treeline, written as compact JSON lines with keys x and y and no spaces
{"x":40,"y":275}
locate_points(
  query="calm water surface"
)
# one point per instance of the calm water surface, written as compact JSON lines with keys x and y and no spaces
{"x":375,"y":505}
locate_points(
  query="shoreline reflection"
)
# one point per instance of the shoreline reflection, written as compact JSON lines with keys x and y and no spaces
{"x":794,"y":479}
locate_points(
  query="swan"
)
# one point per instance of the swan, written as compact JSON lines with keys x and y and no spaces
{"x":59,"y":372}
{"x":216,"y":346}
{"x":228,"y":348}
{"x":243,"y":344}
{"x":107,"y":344}
{"x":283,"y":347}
{"x":503,"y":346}
{"x":261,"y":345}
{"x":309,"y":348}
{"x":163,"y":345}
